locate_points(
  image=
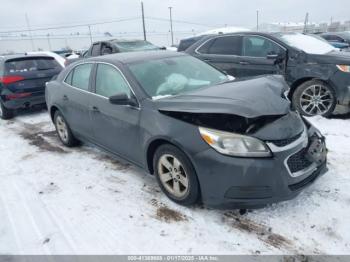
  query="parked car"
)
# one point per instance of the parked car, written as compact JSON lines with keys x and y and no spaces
{"x":205,"y":137}
{"x":22,"y":81}
{"x":338,"y":45}
{"x":318,"y":74}
{"x":338,"y":39}
{"x":116,"y":46}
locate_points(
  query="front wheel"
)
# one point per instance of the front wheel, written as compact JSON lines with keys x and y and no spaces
{"x":176,"y":175}
{"x":64,"y":133}
{"x":314,"y":98}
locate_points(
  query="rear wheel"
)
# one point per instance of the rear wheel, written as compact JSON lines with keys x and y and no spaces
{"x":5,"y":113}
{"x":64,"y":132}
{"x":176,"y":175}
{"x":314,"y":98}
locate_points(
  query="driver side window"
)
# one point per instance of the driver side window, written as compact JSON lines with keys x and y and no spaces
{"x":256,"y":46}
{"x":109,"y":81}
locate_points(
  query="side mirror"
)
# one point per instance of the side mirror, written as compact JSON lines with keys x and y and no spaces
{"x":272,"y":56}
{"x":122,"y":99}
{"x":278,"y":58}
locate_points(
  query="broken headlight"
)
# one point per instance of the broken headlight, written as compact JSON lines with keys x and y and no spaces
{"x":234,"y":144}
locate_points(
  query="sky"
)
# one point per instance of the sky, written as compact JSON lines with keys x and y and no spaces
{"x":199,"y":15}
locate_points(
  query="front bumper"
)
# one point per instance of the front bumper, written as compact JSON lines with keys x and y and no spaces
{"x":230,"y":182}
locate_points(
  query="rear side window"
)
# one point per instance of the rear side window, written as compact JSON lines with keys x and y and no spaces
{"x":1,"y":68}
{"x":23,"y":65}
{"x":226,"y":45}
{"x":81,"y":76}
{"x":256,"y":46}
{"x":68,"y":79}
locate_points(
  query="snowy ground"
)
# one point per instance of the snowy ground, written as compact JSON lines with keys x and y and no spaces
{"x":55,"y":200}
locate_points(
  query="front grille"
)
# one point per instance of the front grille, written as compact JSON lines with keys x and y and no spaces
{"x":298,"y":161}
{"x":284,"y":142}
{"x":307,"y":180}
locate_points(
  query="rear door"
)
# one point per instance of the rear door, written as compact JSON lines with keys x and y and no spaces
{"x":223,"y":52}
{"x":76,"y":98}
{"x":254,"y":60}
{"x":115,"y":127}
{"x":31,"y":74}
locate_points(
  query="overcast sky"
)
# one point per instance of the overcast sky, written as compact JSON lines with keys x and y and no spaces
{"x":212,"y":13}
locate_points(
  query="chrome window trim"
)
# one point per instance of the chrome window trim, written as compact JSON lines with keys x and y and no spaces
{"x":94,"y":93}
{"x":199,"y":53}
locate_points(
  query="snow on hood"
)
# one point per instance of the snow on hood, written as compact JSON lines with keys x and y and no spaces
{"x":251,"y":98}
{"x":308,"y":44}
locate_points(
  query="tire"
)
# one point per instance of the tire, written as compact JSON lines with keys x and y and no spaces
{"x":313,"y":98}
{"x":63,"y":130}
{"x":5,"y":113}
{"x":178,"y":173}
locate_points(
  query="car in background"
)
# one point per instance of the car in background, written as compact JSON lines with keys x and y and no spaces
{"x":338,"y":39}
{"x":318,"y":74}
{"x":115,"y":46}
{"x":119,"y":46}
{"x":22,"y":81}
{"x":206,"y":138}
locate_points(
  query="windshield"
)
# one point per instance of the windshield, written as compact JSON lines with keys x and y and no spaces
{"x":308,"y":44}
{"x":175,"y":75}
{"x":129,"y":46}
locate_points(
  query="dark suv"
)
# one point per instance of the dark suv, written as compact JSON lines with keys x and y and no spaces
{"x":319,"y":75}
{"x":22,"y":81}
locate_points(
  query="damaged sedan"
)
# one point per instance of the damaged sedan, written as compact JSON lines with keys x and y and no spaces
{"x":206,"y":137}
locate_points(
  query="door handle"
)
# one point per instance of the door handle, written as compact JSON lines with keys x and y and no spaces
{"x":95,"y":109}
{"x":244,"y":63}
{"x":65,"y":98}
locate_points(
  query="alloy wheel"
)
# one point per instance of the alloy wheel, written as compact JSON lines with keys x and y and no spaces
{"x":316,"y":100}
{"x":173,"y":176}
{"x":1,"y":111}
{"x":62,"y":128}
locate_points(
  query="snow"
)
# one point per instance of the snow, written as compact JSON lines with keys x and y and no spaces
{"x":55,"y":200}
{"x":57,"y":57}
{"x":225,"y":30}
{"x":308,"y":44}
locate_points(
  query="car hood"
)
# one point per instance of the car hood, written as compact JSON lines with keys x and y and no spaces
{"x":336,"y":57}
{"x":250,"y":98}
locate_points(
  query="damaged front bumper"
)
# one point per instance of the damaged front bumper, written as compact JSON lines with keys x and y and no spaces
{"x":231,"y":182}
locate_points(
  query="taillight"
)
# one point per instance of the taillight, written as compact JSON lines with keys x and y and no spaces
{"x":16,"y":96}
{"x":10,"y":79}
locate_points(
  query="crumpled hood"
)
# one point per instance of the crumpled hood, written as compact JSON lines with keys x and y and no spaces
{"x":250,"y":98}
{"x":336,"y":58}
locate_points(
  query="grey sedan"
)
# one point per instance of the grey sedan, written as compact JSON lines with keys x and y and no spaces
{"x":205,"y":136}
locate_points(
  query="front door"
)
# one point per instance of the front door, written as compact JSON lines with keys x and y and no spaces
{"x":115,"y":127}
{"x":255,"y":61}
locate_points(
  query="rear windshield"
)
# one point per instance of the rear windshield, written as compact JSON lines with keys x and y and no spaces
{"x":22,"y":65}
{"x":129,"y":46}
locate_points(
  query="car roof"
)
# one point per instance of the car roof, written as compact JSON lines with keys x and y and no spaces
{"x":15,"y":56}
{"x":134,"y":57}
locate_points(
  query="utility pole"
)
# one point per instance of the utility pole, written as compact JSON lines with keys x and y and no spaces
{"x":48,"y":41}
{"x":143,"y":22}
{"x":306,"y":22}
{"x":90,"y":33}
{"x":171,"y":26}
{"x":30,"y":32}
{"x":257,"y":20}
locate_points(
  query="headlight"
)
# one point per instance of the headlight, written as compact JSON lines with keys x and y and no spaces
{"x":344,"y":68}
{"x":234,"y":144}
